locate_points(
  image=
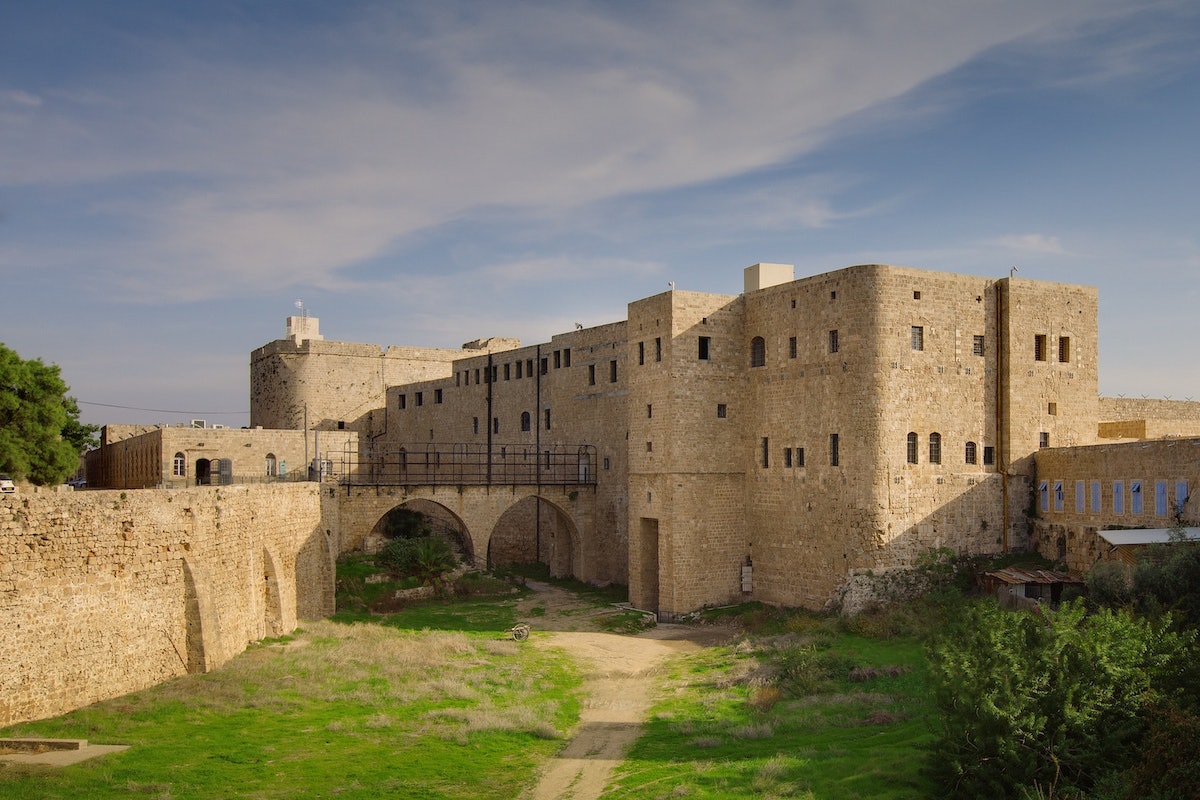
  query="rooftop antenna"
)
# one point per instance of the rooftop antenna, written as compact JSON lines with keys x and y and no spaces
{"x":300,"y":305}
{"x":671,"y":284}
{"x":1012,"y":273}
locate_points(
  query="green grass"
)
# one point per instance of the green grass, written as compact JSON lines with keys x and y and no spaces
{"x":731,"y":725}
{"x":342,"y":710}
{"x":435,"y":701}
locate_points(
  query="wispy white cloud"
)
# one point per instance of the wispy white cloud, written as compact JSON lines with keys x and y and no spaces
{"x":256,"y":173}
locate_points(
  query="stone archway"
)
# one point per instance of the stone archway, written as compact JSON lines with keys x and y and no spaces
{"x":535,"y":530}
{"x":443,"y":522}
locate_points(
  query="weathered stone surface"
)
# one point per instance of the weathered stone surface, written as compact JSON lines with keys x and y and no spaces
{"x":107,"y":592}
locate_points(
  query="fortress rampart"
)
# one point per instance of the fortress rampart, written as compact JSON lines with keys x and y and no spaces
{"x":108,"y":592}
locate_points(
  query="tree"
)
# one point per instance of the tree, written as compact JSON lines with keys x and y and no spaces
{"x":40,"y":433}
{"x":1053,"y":700}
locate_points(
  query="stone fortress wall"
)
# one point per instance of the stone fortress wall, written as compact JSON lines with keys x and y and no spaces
{"x":106,"y":592}
{"x":715,"y":420}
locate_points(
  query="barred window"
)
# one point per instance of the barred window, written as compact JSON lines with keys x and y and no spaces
{"x":758,"y":352}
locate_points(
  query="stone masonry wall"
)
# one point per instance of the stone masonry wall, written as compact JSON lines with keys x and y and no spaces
{"x":1082,"y":490}
{"x":107,"y":592}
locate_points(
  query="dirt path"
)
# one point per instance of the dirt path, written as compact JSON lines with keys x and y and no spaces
{"x":620,"y":676}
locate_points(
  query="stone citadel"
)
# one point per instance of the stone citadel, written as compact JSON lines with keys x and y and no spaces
{"x":789,"y":444}
{"x":768,"y":445}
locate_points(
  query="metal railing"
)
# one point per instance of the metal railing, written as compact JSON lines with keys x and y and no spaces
{"x":469,"y":464}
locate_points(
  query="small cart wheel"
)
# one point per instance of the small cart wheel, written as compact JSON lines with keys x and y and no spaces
{"x":520,"y":633}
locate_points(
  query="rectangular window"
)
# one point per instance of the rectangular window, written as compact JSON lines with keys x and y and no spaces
{"x":566,"y":357}
{"x":1160,"y":498}
{"x":529,"y":367}
{"x":799,"y":456}
{"x":834,"y":456}
{"x":495,"y":424}
{"x":557,"y":359}
{"x":1039,"y":347}
{"x":721,"y":411}
{"x":766,"y":452}
{"x":591,"y":374}
{"x":833,"y":342}
{"x":792,"y":347}
{"x":989,"y":455}
{"x":649,"y":447}
{"x":547,"y":419}
{"x":420,"y":398}
{"x":1135,"y":497}
{"x":705,"y":344}
{"x":641,"y":353}
{"x":649,"y":411}
{"x":787,"y":457}
{"x":403,"y":402}
{"x":545,"y":366}
{"x":1095,"y":497}
{"x":1044,"y":496}
{"x":977,"y":346}
{"x":1118,"y":497}
{"x":1181,"y":496}
{"x":918,"y":337}
{"x":1052,"y":409}
{"x":477,"y":378}
{"x":475,"y":425}
{"x":519,"y":365}
{"x":1080,"y":498}
{"x":1044,"y":440}
{"x":507,"y":371}
{"x":437,"y":395}
{"x":612,"y":371}
{"x":1064,"y":349}
{"x":658,"y":348}
{"x":457,"y":378}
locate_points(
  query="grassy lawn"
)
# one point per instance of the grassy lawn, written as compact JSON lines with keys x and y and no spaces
{"x":434,"y":701}
{"x":817,"y":712}
{"x":345,"y":710}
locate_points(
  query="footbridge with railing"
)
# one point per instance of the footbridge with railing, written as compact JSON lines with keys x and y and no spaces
{"x":484,"y":490}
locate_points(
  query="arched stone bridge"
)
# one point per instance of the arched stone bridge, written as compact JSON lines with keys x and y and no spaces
{"x":557,"y":528}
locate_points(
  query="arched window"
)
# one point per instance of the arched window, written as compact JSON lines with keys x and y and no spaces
{"x":525,"y":421}
{"x":970,"y":453}
{"x":272,"y":467}
{"x":935,"y":448}
{"x":179,"y":466}
{"x":912,"y":448}
{"x":758,"y":352}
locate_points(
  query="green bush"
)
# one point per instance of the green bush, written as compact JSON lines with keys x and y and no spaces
{"x":1049,"y":699}
{"x":427,"y":558}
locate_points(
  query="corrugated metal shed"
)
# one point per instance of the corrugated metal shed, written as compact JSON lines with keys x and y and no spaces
{"x":1146,"y":536}
{"x":1023,"y":575}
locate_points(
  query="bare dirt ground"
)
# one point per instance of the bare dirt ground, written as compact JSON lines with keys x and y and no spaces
{"x":620,"y":676}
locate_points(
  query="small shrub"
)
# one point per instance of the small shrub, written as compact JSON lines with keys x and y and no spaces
{"x":764,"y":698}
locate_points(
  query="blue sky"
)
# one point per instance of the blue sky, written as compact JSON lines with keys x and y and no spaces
{"x":175,"y":176}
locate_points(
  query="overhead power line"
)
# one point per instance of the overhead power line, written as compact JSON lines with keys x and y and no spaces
{"x":158,"y":410}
